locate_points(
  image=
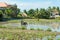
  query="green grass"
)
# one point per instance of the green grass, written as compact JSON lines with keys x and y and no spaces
{"x":18,"y":34}
{"x":3,"y":27}
{"x":32,"y":29}
{"x":23,"y":28}
{"x":40,"y":29}
{"x":14,"y":21}
{"x":58,"y":39}
{"x":35,"y":20}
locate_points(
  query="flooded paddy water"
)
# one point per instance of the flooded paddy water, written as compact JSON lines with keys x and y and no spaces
{"x":54,"y":26}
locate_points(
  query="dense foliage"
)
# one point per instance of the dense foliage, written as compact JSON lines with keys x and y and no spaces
{"x":41,"y":13}
{"x":8,"y":13}
{"x":32,"y":13}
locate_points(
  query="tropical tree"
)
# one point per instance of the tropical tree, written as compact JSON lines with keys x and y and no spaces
{"x":1,"y":15}
{"x":31,"y":12}
{"x":25,"y":11}
{"x":49,"y":9}
{"x":54,"y":7}
{"x":8,"y":12}
{"x":36,"y":12}
{"x":58,"y":8}
{"x":44,"y":14}
{"x":18,"y":12}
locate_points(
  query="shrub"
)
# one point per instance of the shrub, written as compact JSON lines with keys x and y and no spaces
{"x":2,"y":27}
{"x":32,"y":29}
{"x":48,"y":29}
{"x":50,"y":39}
{"x":39,"y":29}
{"x":23,"y":28}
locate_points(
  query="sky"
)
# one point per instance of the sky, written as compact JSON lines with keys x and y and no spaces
{"x":33,"y":4}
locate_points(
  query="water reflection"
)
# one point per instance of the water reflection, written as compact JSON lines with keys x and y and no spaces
{"x":54,"y":26}
{"x":58,"y":37}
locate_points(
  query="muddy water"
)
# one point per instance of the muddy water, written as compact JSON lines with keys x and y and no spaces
{"x":55,"y":26}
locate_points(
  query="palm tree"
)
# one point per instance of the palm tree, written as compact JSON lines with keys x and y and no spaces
{"x":31,"y":13}
{"x":8,"y":12}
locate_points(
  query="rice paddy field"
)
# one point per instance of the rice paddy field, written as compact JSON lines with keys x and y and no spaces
{"x":42,"y":29}
{"x":18,"y":34}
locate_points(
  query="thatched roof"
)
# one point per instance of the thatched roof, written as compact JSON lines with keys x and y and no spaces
{"x":55,"y":11}
{"x":24,"y":14}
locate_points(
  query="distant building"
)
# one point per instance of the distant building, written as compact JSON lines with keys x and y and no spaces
{"x":24,"y":15}
{"x":54,"y":14}
{"x":5,"y":5}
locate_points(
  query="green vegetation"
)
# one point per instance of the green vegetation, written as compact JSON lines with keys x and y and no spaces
{"x":39,"y":29}
{"x":41,"y":13}
{"x":20,"y":33}
{"x":1,"y":16}
{"x":58,"y":39}
{"x":32,"y":29}
{"x":3,"y":27}
{"x":48,"y":29}
{"x":50,"y":39}
{"x":17,"y":34}
{"x":23,"y":28}
{"x":37,"y":16}
{"x":9,"y":13}
{"x":42,"y":21}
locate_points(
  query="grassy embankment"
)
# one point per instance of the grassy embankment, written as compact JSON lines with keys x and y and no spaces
{"x":36,"y":20}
